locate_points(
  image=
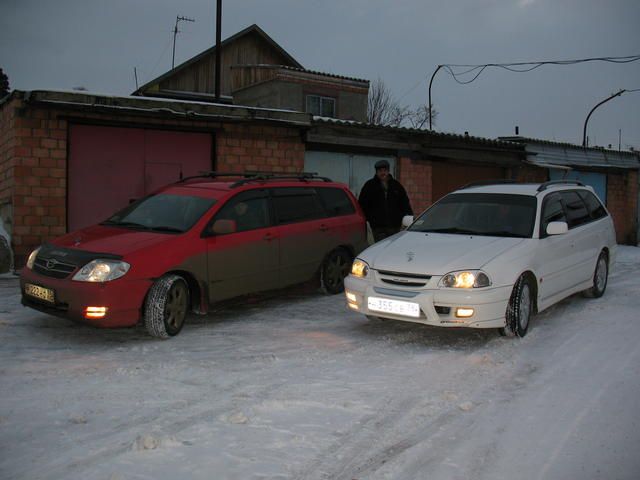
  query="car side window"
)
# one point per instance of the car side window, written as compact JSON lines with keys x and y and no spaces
{"x":552,"y":211}
{"x":296,"y":205}
{"x":249,"y":210}
{"x":577,"y":213}
{"x":336,"y":202}
{"x":596,"y":210}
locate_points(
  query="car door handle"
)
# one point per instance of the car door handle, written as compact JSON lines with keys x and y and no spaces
{"x":268,"y":237}
{"x":323,"y":228}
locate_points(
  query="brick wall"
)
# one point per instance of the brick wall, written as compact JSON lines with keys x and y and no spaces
{"x":253,"y":147}
{"x":33,"y":162}
{"x":529,"y":174}
{"x":8,"y":142}
{"x":415,"y":176}
{"x":622,"y":194}
{"x":35,"y":167}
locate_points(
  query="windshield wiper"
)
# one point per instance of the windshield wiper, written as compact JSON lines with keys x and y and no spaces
{"x":503,"y":233}
{"x":451,"y":230}
{"x":166,"y":228}
{"x":159,"y":228}
{"x":125,"y":224}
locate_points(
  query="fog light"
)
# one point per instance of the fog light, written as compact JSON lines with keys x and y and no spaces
{"x":353,"y":306}
{"x":462,"y":312}
{"x":351,"y":298}
{"x":95,"y":312}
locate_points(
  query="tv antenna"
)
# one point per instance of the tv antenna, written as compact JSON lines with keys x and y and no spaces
{"x":175,"y":32}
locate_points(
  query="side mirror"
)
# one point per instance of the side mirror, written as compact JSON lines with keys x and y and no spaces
{"x":557,"y":228}
{"x":407,"y":220}
{"x":224,"y":226}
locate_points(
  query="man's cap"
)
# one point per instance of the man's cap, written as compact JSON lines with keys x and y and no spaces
{"x":382,"y":164}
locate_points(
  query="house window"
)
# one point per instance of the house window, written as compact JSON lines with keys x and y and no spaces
{"x":322,"y":106}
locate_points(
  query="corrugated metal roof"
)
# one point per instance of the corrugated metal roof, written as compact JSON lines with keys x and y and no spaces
{"x":432,"y":133}
{"x":549,"y":154}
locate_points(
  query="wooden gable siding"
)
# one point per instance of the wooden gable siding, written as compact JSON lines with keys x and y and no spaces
{"x":200,"y":76}
{"x":243,"y":76}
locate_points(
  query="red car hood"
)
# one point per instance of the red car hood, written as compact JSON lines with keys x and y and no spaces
{"x":104,"y":239}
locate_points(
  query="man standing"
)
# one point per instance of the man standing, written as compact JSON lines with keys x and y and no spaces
{"x":384,"y":201}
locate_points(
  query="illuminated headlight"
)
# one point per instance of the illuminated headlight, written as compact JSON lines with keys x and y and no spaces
{"x":32,"y":258}
{"x":102,"y":271}
{"x":465,"y":279}
{"x":359,"y":268}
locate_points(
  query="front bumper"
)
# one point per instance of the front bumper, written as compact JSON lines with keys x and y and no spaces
{"x":123,"y":298}
{"x":437,"y":305}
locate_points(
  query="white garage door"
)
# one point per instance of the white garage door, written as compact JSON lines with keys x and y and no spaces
{"x":352,"y":169}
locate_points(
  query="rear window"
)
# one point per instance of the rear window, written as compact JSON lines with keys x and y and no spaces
{"x":336,"y":202}
{"x":595,"y":208}
{"x":577,"y":213}
{"x":490,"y":214}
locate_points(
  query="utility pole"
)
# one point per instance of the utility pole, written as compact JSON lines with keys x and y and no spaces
{"x":218,"y":42}
{"x":175,"y":32}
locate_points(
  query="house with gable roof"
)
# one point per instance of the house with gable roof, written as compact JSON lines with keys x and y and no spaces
{"x":256,"y":71}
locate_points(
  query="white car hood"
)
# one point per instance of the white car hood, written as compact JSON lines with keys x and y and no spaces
{"x":435,"y":253}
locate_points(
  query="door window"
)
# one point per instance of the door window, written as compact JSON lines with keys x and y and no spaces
{"x":296,"y":205}
{"x":249,"y":210}
{"x":552,"y":211}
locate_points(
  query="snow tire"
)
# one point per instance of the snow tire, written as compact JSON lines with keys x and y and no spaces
{"x":166,"y":306}
{"x":335,"y":267}
{"x":519,"y":309}
{"x":600,"y":278}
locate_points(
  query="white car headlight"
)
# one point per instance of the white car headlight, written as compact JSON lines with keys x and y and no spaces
{"x":102,"y":271}
{"x":32,"y":258}
{"x":359,"y":268}
{"x":465,"y":279}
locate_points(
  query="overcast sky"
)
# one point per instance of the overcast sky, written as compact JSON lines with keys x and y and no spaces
{"x":96,"y":44}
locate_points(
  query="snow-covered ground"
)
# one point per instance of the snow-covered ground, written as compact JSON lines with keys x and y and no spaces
{"x":298,"y":387}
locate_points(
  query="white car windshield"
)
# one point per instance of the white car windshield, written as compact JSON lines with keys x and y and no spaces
{"x":490,"y":214}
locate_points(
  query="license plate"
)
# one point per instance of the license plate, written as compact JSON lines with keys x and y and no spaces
{"x":397,"y":307}
{"x":39,"y":292}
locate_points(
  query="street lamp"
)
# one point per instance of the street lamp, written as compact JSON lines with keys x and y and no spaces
{"x":584,"y":131}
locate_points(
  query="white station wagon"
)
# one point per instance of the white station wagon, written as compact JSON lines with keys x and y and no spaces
{"x":488,"y":256}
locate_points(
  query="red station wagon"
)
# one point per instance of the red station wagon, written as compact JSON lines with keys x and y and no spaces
{"x":194,"y":243}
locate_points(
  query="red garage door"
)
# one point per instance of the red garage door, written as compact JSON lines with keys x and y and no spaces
{"x":109,"y":166}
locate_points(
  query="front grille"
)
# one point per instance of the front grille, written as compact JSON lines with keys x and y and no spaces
{"x":404,"y":279}
{"x":51,"y":267}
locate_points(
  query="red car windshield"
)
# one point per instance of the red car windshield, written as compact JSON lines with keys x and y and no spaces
{"x":163,"y":212}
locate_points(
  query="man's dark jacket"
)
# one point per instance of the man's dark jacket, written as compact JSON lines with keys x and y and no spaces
{"x":384,"y":212}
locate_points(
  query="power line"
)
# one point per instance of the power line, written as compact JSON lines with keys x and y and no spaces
{"x":477,"y":70}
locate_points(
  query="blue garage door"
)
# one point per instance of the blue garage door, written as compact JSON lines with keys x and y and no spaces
{"x":598,"y":181}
